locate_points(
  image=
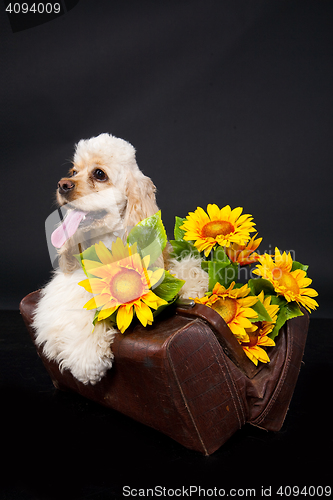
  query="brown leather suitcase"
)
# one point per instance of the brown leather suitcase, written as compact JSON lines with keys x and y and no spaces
{"x":187,"y":376}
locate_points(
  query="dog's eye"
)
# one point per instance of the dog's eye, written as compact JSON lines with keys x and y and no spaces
{"x":74,"y":172}
{"x":99,"y":175}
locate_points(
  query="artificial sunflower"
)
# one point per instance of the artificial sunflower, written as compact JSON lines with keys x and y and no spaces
{"x":221,"y":226}
{"x":244,"y":254}
{"x":291,"y":284}
{"x":234,"y":305}
{"x":122,"y":283}
{"x":258,"y":339}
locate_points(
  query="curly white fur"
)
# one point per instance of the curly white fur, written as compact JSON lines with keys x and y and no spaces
{"x":66,"y":331}
{"x":189,"y":270}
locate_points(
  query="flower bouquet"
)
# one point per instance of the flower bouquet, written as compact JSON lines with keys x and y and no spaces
{"x":256,"y":310}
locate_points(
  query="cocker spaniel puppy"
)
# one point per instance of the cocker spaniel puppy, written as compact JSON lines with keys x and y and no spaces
{"x":105,"y":195}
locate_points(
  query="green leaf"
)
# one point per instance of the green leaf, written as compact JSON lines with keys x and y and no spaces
{"x":258,"y":285}
{"x":221,"y":272}
{"x":288,"y":310}
{"x":204,"y":265}
{"x":179,"y":233}
{"x":220,"y":269}
{"x":219,"y":255}
{"x":169,"y":288}
{"x":161,"y":308}
{"x":150,"y":236}
{"x":111,"y":318}
{"x":182,"y":249}
{"x":88,"y":254}
{"x":278,"y":300}
{"x":298,"y":265}
{"x":215,"y":273}
{"x":96,"y":317}
{"x":260,"y":309}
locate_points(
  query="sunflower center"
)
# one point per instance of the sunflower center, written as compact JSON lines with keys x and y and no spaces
{"x":227,"y":308}
{"x":216,"y":227}
{"x":285,"y":279}
{"x":126,"y":286}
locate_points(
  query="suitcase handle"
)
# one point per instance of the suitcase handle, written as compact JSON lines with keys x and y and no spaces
{"x":227,"y":340}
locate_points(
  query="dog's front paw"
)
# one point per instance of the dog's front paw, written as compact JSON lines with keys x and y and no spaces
{"x":91,"y":357}
{"x":93,"y":372}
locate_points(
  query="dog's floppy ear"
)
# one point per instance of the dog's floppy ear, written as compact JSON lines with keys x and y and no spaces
{"x":141,"y":201}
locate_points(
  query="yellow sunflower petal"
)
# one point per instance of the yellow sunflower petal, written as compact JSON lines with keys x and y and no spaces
{"x":301,"y":278}
{"x":220,"y":289}
{"x":250,"y":355}
{"x":252,"y":328}
{"x":144,"y":313}
{"x":243,"y":321}
{"x":156,"y":276}
{"x":248,"y":302}
{"x":213,"y":212}
{"x":262,"y":354}
{"x":241,"y":292}
{"x":246,"y":221}
{"x":145,"y":261}
{"x":152,"y":300}
{"x":256,"y":354}
{"x":91,"y":264}
{"x":201,"y":215}
{"x":225,"y":212}
{"x":244,"y":254}
{"x":105,"y":313}
{"x":119,"y":251}
{"x":91,"y":304}
{"x":283,"y":260}
{"x":86,"y":285}
{"x":235,"y":214}
{"x":266,"y":341}
{"x":134,"y":261}
{"x":307,"y":302}
{"x":103,"y":253}
{"x":309,"y":291}
{"x":133,"y":249}
{"x":104,"y":271}
{"x":98,"y":301}
{"x":248,"y":312}
{"x":93,"y":285}
{"x":238,"y":331}
{"x":124,"y":317}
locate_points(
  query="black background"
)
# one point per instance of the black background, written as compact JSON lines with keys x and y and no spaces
{"x":226,"y":102}
{"x":60,"y":446}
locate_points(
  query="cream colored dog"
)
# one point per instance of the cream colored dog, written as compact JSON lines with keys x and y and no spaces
{"x":106,"y":195}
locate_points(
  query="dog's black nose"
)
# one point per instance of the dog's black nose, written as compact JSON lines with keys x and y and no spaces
{"x":65,"y":185}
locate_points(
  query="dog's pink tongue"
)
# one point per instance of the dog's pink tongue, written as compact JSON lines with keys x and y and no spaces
{"x":67,"y":228}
